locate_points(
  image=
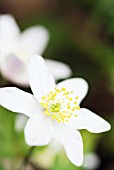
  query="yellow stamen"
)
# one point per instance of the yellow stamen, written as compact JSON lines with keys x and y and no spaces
{"x":60,"y":105}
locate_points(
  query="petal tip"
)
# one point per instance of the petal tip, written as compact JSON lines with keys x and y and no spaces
{"x":79,"y":163}
{"x":36,"y":57}
{"x":108,"y":126}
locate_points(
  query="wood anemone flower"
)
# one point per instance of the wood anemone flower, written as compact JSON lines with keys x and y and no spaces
{"x":16,"y":49}
{"x":53,"y":110}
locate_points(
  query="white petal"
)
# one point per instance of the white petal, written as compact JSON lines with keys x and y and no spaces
{"x":41,"y":81}
{"x":35,"y":39}
{"x":19,"y":101}
{"x":20,"y":122}
{"x":55,"y":146}
{"x":72,"y":142}
{"x":58,"y":69}
{"x":15,"y":70}
{"x":89,"y":121}
{"x":38,"y":131}
{"x":78,"y":85}
{"x":9,"y":31}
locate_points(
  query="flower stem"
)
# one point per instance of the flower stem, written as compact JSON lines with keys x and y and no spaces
{"x":27,"y":157}
{"x":27,"y":161}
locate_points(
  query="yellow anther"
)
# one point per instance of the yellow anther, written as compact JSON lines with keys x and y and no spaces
{"x":59,"y":121}
{"x":61,"y":114}
{"x":51,"y":92}
{"x":76,"y":97}
{"x":66,"y":93}
{"x":63,"y":89}
{"x":69,"y":116}
{"x":44,"y":97}
{"x":75,"y":102}
{"x":68,"y":107}
{"x":75,"y":115}
{"x":48,"y":95}
{"x":58,"y":90}
{"x":42,"y":103}
{"x":78,"y":107}
{"x":70,"y":99}
{"x":47,"y":113}
{"x":52,"y":98}
{"x":54,"y":117}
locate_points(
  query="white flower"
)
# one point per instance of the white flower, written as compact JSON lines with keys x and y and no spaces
{"x":53,"y":110}
{"x":91,"y":161}
{"x":16,"y":49}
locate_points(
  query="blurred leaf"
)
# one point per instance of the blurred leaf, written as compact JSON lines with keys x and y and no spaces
{"x":62,"y":162}
{"x":11,"y":143}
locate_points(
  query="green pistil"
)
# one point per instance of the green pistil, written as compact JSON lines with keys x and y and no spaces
{"x":55,"y":107}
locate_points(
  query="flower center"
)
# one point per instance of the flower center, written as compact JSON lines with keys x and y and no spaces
{"x":55,"y":107}
{"x":60,"y":104}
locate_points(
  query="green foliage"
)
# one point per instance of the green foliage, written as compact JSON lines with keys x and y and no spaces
{"x":11,"y":143}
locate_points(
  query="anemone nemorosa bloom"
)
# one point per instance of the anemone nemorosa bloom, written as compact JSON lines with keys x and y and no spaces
{"x":54,"y":110}
{"x":16,"y":49}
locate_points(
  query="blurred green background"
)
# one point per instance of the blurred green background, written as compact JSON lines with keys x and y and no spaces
{"x":82,"y":35}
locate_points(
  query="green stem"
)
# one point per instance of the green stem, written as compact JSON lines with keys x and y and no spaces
{"x":27,"y":161}
{"x":27,"y":157}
